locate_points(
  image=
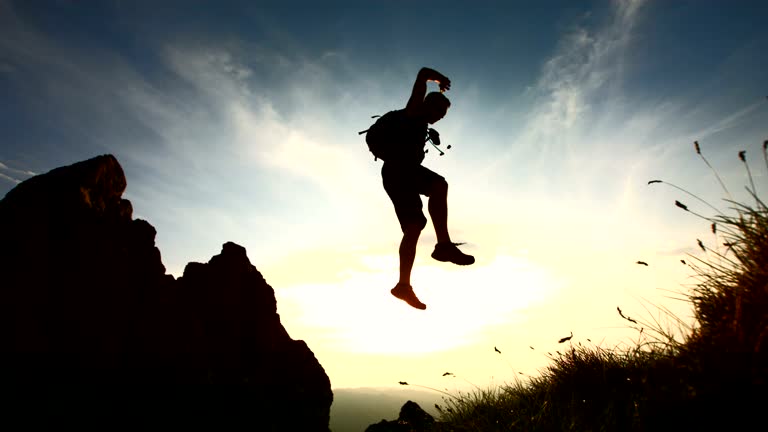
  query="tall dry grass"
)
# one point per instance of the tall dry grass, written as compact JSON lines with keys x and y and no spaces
{"x":711,"y":378}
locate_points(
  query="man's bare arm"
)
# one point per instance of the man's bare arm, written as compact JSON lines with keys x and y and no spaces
{"x":420,"y":88}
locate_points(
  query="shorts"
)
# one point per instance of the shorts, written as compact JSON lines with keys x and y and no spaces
{"x":404,"y":183}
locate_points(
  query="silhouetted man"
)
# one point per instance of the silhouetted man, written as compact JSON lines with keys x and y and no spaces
{"x":405,"y":179}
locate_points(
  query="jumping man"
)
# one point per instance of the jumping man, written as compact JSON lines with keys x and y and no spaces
{"x":405,"y":178}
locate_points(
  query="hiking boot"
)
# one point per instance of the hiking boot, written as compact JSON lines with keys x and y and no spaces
{"x":405,"y":293}
{"x":448,"y":252}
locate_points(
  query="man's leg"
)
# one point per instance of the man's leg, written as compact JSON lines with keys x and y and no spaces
{"x":445,"y":250}
{"x":438,"y":209}
{"x":401,"y":184}
{"x":408,"y":252}
{"x":403,"y":289}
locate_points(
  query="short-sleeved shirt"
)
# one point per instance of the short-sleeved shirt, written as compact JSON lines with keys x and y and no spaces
{"x":404,"y":178}
{"x":411,"y":138}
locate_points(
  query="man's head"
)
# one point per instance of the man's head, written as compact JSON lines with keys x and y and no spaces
{"x":435,"y":106}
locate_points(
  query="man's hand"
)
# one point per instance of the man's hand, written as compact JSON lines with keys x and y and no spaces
{"x":420,"y":88}
{"x":428,"y":74}
{"x":443,"y":82}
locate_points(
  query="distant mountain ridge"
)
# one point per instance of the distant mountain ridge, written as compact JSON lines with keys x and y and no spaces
{"x":94,"y":333}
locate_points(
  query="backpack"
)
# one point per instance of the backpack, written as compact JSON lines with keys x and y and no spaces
{"x":382,"y":136}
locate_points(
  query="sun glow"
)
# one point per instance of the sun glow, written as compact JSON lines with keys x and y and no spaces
{"x":358,"y":314}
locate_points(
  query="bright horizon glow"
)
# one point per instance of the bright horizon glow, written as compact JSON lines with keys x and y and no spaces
{"x":358,"y":316}
{"x":239,"y":123}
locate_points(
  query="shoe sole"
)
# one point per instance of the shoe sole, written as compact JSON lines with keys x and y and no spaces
{"x":454,"y":262}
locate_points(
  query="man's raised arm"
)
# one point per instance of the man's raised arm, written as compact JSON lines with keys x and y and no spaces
{"x":420,"y":88}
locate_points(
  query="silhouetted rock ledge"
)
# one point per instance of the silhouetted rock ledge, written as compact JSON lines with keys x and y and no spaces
{"x":412,"y":418}
{"x":94,"y":333}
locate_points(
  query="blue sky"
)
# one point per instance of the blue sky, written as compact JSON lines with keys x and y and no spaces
{"x":238,"y":121}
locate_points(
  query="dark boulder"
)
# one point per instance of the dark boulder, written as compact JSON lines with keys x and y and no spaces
{"x":93,"y":332}
{"x":412,"y":418}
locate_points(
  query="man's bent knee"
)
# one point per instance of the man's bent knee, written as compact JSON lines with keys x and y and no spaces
{"x":439,"y":187}
{"x":414,"y":228}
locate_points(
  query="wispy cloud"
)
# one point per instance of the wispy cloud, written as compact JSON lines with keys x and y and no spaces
{"x":14,"y":175}
{"x":584,"y":124}
{"x":580,"y":127}
{"x":17,"y":171}
{"x":256,"y":120}
{"x":74,"y":90}
{"x":9,"y":178}
{"x":241,"y":136}
{"x":730,"y":121}
{"x":587,"y":63}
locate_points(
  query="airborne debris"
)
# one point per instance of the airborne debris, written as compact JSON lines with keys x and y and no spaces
{"x":625,"y":317}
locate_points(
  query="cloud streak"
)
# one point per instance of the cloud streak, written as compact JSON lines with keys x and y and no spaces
{"x":238,"y":135}
{"x":9,"y":178}
{"x":17,"y":171}
{"x":580,"y":128}
{"x":585,"y":66}
{"x":731,"y":121}
{"x":269,"y":126}
{"x":14,"y":175}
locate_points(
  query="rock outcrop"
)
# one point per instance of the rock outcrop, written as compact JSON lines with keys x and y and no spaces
{"x":93,"y":332}
{"x":412,"y":418}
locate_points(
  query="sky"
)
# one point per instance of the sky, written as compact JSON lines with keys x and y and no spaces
{"x":238,"y":120}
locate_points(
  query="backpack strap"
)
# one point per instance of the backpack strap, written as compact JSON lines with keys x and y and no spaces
{"x":362,"y":132}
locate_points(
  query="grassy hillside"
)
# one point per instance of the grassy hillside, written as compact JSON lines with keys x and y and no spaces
{"x":712,"y":379}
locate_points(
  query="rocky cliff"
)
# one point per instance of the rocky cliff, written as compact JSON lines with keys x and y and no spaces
{"x":93,"y":332}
